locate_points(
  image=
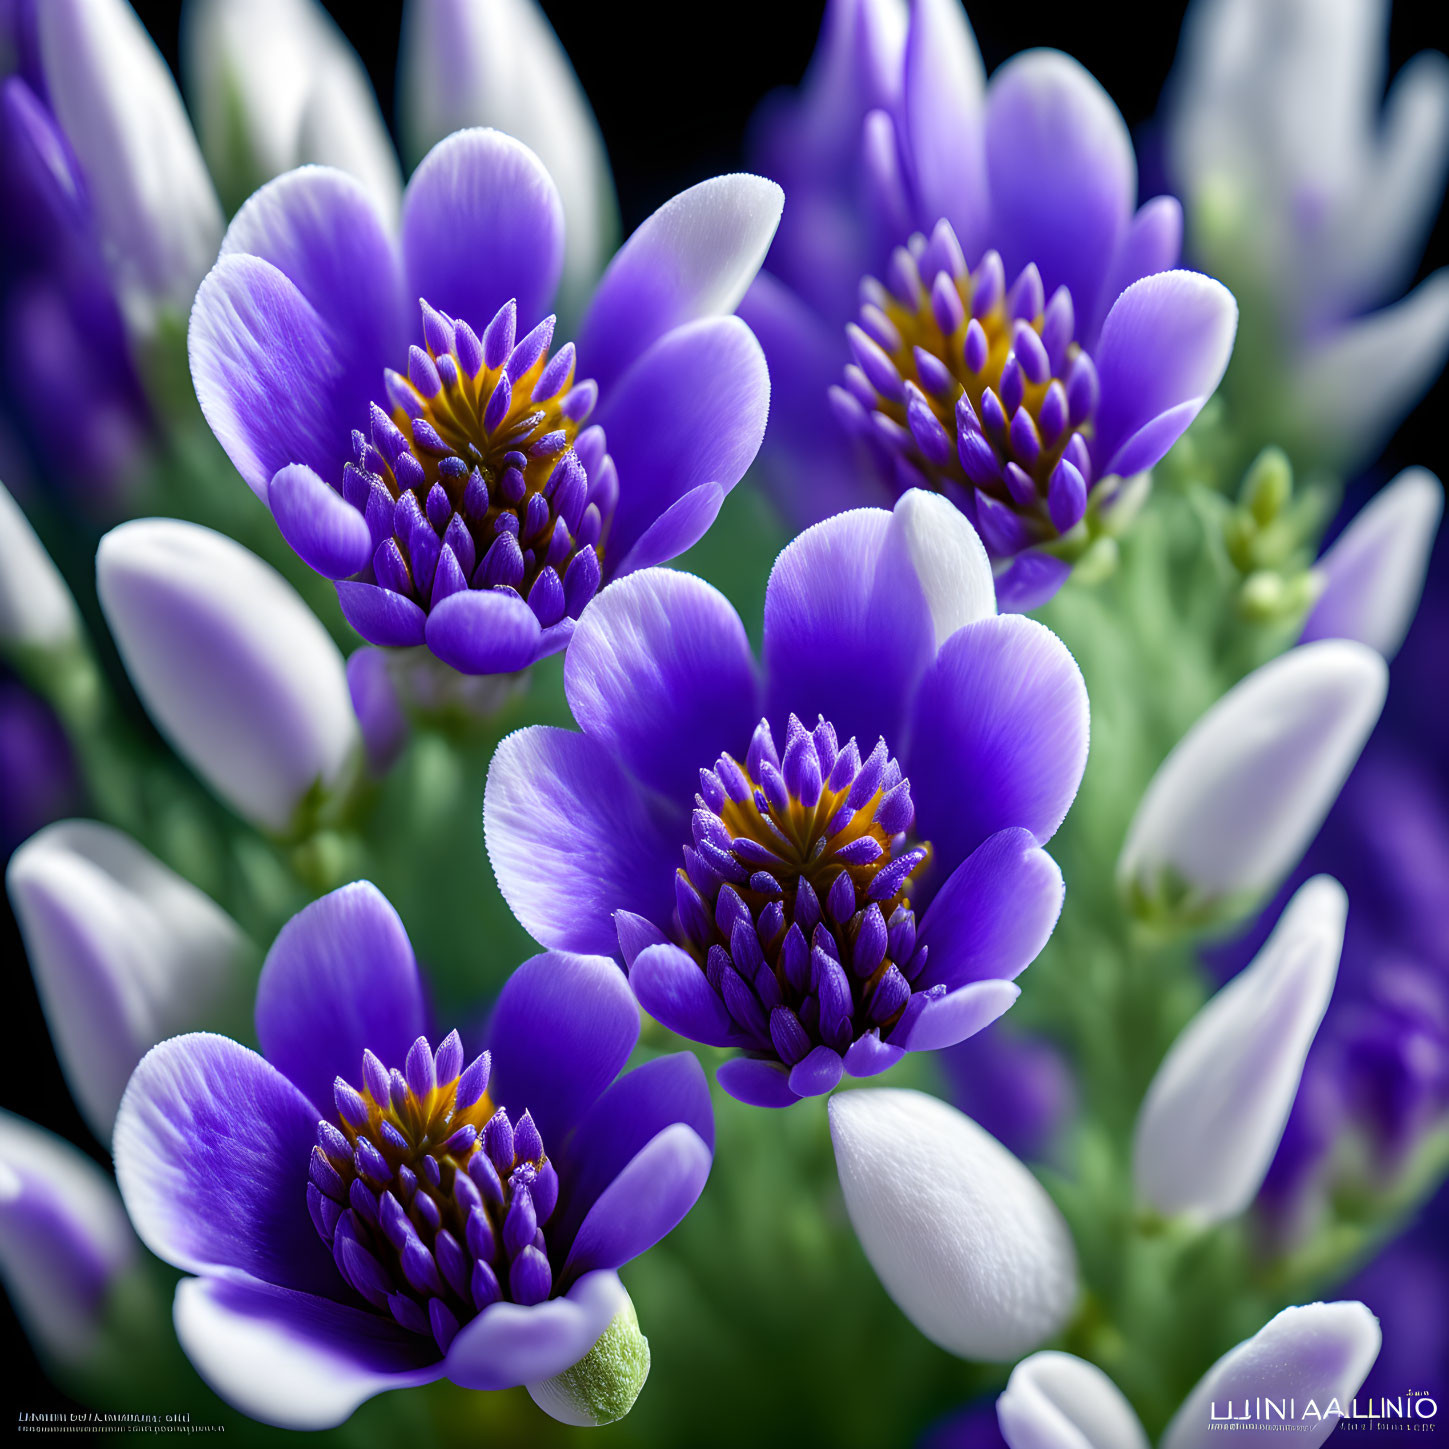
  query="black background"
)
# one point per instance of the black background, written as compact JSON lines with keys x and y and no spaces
{"x":673,"y":88}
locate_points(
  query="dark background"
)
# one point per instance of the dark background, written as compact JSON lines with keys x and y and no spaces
{"x":674,"y":89}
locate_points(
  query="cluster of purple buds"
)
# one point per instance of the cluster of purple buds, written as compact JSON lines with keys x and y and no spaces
{"x":975,"y":389}
{"x":431,"y":1200}
{"x":793,"y":899}
{"x":481,"y":477}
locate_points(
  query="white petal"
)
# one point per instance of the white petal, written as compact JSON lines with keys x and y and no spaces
{"x":235,"y":669}
{"x":125,"y":953}
{"x":274,"y":85}
{"x":1320,"y":1352}
{"x":1059,"y":1401}
{"x":1236,"y":802}
{"x":1214,"y":1114}
{"x":949,"y":559}
{"x":498,"y":63}
{"x":158,"y":214}
{"x":64,"y":1237}
{"x":1375,"y":570}
{"x":36,"y":608}
{"x":1350,"y":392}
{"x":962,"y":1236}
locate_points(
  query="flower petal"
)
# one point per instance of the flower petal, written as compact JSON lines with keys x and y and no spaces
{"x":36,"y":607}
{"x":1163,"y":350}
{"x":482,"y":223}
{"x":1153,"y":243}
{"x":647,"y":1200}
{"x":292,"y":1359}
{"x":572,"y":841}
{"x":125,"y":953}
{"x":507,"y":1345}
{"x":381,"y":616}
{"x":660,"y":673}
{"x":1058,"y":1401}
{"x":993,"y":914}
{"x":693,"y":258}
{"x":1322,"y":1351}
{"x":756,"y":1082}
{"x":678,"y":528}
{"x":848,"y":629}
{"x":327,"y":532}
{"x":1215,"y":1111}
{"x":562,"y":1030}
{"x":674,"y":990}
{"x":484,"y":631}
{"x":212,"y":1146}
{"x":998,"y":736}
{"x":1375,"y":571}
{"x":690,"y":411}
{"x":340,"y":978}
{"x":1061,"y":173}
{"x":959,"y":1014}
{"x":948,"y":559}
{"x":962,"y":1236}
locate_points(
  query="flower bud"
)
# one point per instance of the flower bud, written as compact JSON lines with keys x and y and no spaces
{"x":122,"y":114}
{"x":1374,"y":573}
{"x":1054,"y":1400}
{"x":36,"y":608}
{"x":602,"y":1387}
{"x":232,"y":665}
{"x":64,"y":1239}
{"x":1234,"y":805}
{"x":961,"y":1235}
{"x":1215,"y":1112}
{"x":125,"y":953}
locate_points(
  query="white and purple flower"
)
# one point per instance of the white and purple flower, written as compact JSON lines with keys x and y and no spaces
{"x":1017,"y":337}
{"x":471,"y":505}
{"x":758,"y":849}
{"x":364,"y":1212}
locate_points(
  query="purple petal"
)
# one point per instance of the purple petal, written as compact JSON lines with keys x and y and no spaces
{"x":678,"y":528}
{"x":292,"y":1359}
{"x":340,"y":977}
{"x":1153,"y":243}
{"x":994,"y":914}
{"x":998,"y":736}
{"x":212,"y":1145}
{"x":329,"y":535}
{"x":661,"y":675}
{"x":956,"y":1015}
{"x":673,"y":989}
{"x":636,"y":935}
{"x":693,"y":258}
{"x":482,"y":223}
{"x":645,"y":1201}
{"x":755,"y":1082}
{"x":942,"y":110}
{"x":381,"y":616}
{"x":484,"y":631}
{"x":1029,"y":581}
{"x":816,"y":1073}
{"x":571,"y":840}
{"x":869,"y":1056}
{"x":1161,"y":354}
{"x":508,"y":1344}
{"x":848,"y":631}
{"x":1062,"y":175}
{"x":562,"y":1030}
{"x":378,"y":709}
{"x":691,"y":410}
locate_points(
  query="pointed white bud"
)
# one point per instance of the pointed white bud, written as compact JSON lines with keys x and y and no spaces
{"x":234,"y":668}
{"x":1319,"y":1352}
{"x":64,"y":1239}
{"x":1243,"y":792}
{"x":36,"y":608}
{"x":125,"y":953}
{"x":498,"y":63}
{"x":1214,"y":1114}
{"x":961,"y":1235}
{"x":1058,"y":1401}
{"x":159,"y":219}
{"x":274,"y":84}
{"x":1374,"y":573}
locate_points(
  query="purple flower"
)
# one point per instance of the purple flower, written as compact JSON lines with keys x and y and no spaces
{"x":364,"y":1212}
{"x":465,"y":501}
{"x":759,"y":851}
{"x":1016,"y":338}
